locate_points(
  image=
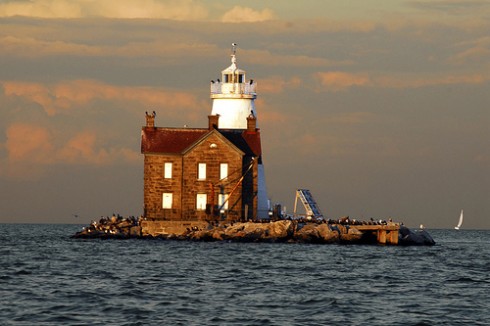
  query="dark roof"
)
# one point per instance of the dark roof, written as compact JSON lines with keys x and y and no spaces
{"x":177,"y":140}
{"x":248,"y":142}
{"x":253,"y":141}
{"x":169,"y":140}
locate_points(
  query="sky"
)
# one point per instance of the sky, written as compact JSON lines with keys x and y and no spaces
{"x":380,"y":108}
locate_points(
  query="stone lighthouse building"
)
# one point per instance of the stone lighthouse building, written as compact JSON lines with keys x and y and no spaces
{"x":195,"y":175}
{"x":234,"y":101}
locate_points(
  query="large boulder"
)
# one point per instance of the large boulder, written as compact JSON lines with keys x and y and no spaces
{"x":204,"y":235}
{"x":352,"y":235}
{"x":280,"y":230}
{"x":307,"y":233}
{"x":316,"y":233}
{"x":253,"y":232}
{"x":326,"y":234}
{"x":408,"y":237}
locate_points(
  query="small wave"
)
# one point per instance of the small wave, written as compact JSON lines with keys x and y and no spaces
{"x":181,"y":283}
{"x":466,"y":279}
{"x":22,"y":272}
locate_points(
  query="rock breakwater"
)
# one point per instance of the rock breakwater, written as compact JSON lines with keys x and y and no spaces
{"x":111,"y":227}
{"x":292,"y":231}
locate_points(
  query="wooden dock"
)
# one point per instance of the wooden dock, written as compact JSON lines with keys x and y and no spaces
{"x":385,"y":233}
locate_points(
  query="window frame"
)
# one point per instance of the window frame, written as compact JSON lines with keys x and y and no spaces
{"x":201,"y":201}
{"x":223,"y":171}
{"x":167,"y":200}
{"x":167,"y":170}
{"x":201,"y":171}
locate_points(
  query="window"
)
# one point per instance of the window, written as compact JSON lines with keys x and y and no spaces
{"x":201,"y":202}
{"x":223,"y":198}
{"x":167,"y":200}
{"x":168,"y":170}
{"x":223,"y":171}
{"x":201,"y":171}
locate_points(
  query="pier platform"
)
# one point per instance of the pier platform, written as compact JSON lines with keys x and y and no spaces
{"x":385,"y":234}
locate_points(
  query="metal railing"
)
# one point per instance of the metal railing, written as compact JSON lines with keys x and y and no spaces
{"x":234,"y":88}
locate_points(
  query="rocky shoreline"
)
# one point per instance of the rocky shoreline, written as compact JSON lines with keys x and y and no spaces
{"x":289,"y":231}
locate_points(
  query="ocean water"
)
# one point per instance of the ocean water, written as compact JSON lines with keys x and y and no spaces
{"x":47,"y":278}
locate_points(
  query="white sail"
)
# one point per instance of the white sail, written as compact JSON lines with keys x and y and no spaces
{"x":460,"y":222}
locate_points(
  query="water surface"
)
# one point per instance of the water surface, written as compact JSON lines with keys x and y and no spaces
{"x":47,"y":278}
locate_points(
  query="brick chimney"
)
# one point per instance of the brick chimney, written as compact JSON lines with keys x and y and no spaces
{"x":251,"y":123}
{"x":213,"y":121}
{"x":150,"y":119}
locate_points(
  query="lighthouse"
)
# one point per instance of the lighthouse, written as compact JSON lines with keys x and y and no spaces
{"x":233,"y":98}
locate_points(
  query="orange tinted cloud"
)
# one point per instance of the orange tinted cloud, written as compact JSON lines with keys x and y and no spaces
{"x":348,"y":119}
{"x":30,"y":147}
{"x":175,"y":10}
{"x":277,"y":84}
{"x":83,"y":149}
{"x":263,"y":57}
{"x":74,"y":94}
{"x":270,"y":117}
{"x":416,"y":81}
{"x":29,"y":143}
{"x":239,"y":14}
{"x":35,"y":46}
{"x":474,"y":51}
{"x":27,"y":46}
{"x":346,"y":145}
{"x":338,"y":81}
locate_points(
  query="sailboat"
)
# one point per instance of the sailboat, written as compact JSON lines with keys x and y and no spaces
{"x":460,"y":222}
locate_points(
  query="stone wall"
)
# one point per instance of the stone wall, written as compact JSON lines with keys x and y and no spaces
{"x":155,"y":185}
{"x":213,"y":151}
{"x":184,"y":184}
{"x":158,"y":228}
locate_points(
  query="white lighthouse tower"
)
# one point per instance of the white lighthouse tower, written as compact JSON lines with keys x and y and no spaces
{"x":233,"y":97}
{"x":233,"y":100}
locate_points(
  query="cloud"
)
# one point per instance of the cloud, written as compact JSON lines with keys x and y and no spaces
{"x":29,"y":46}
{"x":277,"y":84}
{"x":29,"y":143}
{"x":63,"y":96}
{"x":274,"y":117}
{"x":239,"y":14}
{"x":417,"y":81}
{"x":169,"y":9}
{"x":341,"y":81}
{"x":453,"y":7}
{"x":474,"y":51}
{"x":343,"y":120}
{"x":82,"y":149}
{"x":264,"y":57}
{"x":338,"y":81}
{"x":333,"y":146}
{"x":30,"y":148}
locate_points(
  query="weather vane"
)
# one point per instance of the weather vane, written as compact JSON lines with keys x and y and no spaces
{"x":233,"y":48}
